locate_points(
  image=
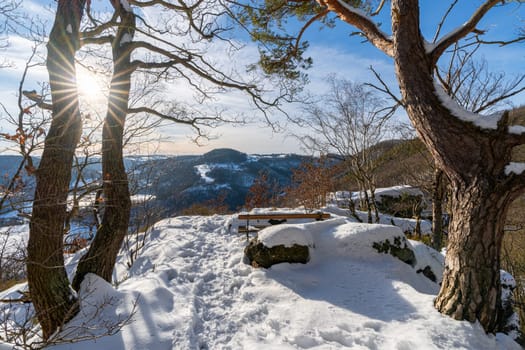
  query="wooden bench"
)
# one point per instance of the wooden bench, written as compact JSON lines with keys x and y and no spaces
{"x":275,"y":219}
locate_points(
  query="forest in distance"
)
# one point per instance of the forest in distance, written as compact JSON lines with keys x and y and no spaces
{"x":90,"y":200}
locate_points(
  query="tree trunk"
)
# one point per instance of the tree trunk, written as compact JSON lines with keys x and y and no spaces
{"x":471,"y":281}
{"x":366,"y":202}
{"x":102,"y":254}
{"x":438,"y":192}
{"x":351,"y":208}
{"x":474,"y":160}
{"x":48,"y":283}
{"x":374,"y":202}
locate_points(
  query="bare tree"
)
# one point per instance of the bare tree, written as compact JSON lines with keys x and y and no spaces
{"x":469,"y":81}
{"x":312,"y":181}
{"x":52,"y":298}
{"x":9,"y":18}
{"x":477,"y":89}
{"x":263,"y":193}
{"x":156,"y":51}
{"x":163,"y":59}
{"x":348,"y":122}
{"x":473,"y":150}
{"x":102,"y":254}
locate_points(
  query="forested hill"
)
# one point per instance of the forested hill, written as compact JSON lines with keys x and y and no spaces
{"x":180,"y":181}
{"x":185,"y":180}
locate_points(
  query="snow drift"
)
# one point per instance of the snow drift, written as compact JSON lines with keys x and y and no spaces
{"x":191,"y":289}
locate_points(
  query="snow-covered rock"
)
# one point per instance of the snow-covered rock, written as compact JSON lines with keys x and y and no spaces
{"x":190,"y":289}
{"x":428,"y":259}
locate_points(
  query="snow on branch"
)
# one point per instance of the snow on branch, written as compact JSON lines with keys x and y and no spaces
{"x":482,"y":121}
{"x":460,"y":32}
{"x":125,"y":5}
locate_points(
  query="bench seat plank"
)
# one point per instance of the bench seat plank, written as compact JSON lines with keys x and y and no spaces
{"x":284,"y":216}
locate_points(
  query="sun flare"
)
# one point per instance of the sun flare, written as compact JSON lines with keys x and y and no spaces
{"x":90,"y":87}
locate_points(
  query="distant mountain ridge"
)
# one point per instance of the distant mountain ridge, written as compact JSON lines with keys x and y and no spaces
{"x":226,"y":172}
{"x":177,"y":182}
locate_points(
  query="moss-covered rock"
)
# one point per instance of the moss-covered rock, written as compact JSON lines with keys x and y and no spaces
{"x":404,"y":206}
{"x":398,"y":249}
{"x":261,"y":256}
{"x":428,"y":273}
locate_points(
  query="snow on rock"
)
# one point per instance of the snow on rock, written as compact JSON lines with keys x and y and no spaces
{"x":517,"y":129}
{"x":286,"y":235}
{"x":512,"y":319}
{"x":514,"y":168}
{"x":507,"y":279}
{"x":190,"y":288}
{"x":426,"y":256}
{"x":481,"y":121}
{"x":394,"y":191}
{"x":508,"y":284}
{"x":397,"y":191}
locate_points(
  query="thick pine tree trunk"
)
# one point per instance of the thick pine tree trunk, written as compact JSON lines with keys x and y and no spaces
{"x":102,"y":254}
{"x":438,"y":192}
{"x":471,"y":281}
{"x":48,"y":283}
{"x":474,"y":160}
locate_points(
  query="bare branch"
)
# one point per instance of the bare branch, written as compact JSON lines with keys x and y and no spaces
{"x":468,"y":27}
{"x":101,"y":40}
{"x":100,"y":27}
{"x":38,"y":99}
{"x":385,"y":88}
{"x":501,"y":42}
{"x":443,"y":19}
{"x":379,"y":8}
{"x":308,"y":24}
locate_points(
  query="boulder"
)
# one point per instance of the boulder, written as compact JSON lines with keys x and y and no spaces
{"x":398,"y":249}
{"x":260,"y":255}
{"x":428,"y":273}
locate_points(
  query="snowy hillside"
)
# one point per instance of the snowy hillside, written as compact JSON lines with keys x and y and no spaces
{"x":191,"y":289}
{"x":197,"y":178}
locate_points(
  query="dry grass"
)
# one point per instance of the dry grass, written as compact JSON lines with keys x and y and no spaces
{"x":9,"y":283}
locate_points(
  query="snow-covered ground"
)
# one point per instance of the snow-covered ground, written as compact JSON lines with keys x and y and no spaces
{"x":406,"y":225}
{"x":191,"y":289}
{"x":394,"y":191}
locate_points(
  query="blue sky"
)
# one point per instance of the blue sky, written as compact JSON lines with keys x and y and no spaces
{"x":334,"y":51}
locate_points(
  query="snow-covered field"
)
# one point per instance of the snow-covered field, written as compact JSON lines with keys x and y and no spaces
{"x":191,"y":289}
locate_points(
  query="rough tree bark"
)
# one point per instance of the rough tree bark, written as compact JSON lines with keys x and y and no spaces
{"x":474,"y":158}
{"x":102,"y":254}
{"x":48,"y":283}
{"x":475,"y":161}
{"x":438,"y":192}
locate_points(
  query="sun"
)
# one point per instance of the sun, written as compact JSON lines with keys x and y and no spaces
{"x":90,"y":87}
